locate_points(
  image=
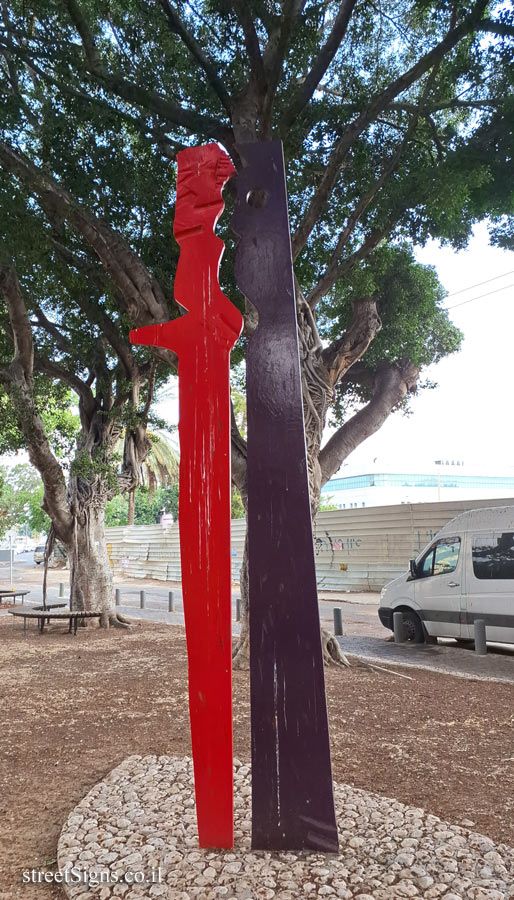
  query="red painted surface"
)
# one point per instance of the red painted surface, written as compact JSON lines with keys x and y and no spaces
{"x":203,"y":339}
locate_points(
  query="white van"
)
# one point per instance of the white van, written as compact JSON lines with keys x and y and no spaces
{"x":465,"y":573}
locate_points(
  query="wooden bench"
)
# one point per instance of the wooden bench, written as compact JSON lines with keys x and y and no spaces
{"x":44,"y":615}
{"x":11,"y":594}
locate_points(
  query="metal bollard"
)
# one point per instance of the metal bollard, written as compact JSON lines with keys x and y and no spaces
{"x":238,"y":609}
{"x":142,"y":597}
{"x":117,"y":596}
{"x":398,"y":628}
{"x":171,"y":605}
{"x":338,"y":620}
{"x":61,"y":589}
{"x":480,"y":639}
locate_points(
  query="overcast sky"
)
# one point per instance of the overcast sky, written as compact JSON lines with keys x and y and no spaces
{"x":469,"y":415}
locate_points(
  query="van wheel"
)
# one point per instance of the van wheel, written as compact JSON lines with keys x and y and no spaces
{"x":413,"y":627}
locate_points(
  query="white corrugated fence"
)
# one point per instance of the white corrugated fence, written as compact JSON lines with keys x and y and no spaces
{"x":356,"y":549}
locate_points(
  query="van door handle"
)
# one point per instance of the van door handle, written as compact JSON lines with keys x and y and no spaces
{"x":454,"y":584}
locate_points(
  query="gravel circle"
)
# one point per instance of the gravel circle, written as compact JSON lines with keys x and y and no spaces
{"x":142,"y":816}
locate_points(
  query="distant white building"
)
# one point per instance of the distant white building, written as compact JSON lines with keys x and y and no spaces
{"x":442,"y":480}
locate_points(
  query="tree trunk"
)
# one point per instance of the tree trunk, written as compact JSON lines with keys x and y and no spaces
{"x":91,"y":585}
{"x":241,"y":654}
{"x":317,"y":394}
{"x":131,"y":507}
{"x":321,"y":369}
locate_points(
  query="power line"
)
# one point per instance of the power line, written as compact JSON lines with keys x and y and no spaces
{"x":480,"y":296}
{"x":479,"y":284}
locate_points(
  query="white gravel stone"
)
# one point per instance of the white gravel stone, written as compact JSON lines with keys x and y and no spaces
{"x":141,"y":817}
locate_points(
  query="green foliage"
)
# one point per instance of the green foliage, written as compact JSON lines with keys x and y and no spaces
{"x":236,"y":505}
{"x":148,"y":507}
{"x":57,"y":407}
{"x":414,"y":324}
{"x":99,"y":464}
{"x":325,"y":503}
{"x":116,"y":511}
{"x":20,"y":500}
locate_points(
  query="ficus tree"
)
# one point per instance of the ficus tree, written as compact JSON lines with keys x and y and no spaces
{"x":395,"y":129}
{"x":60,"y":332}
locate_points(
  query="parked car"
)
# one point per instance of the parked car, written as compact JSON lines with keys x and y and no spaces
{"x":465,"y":573}
{"x":58,"y":558}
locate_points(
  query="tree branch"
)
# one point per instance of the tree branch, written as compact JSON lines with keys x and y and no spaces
{"x":343,"y":353}
{"x":20,"y":323}
{"x":60,"y":373}
{"x":500,"y":28}
{"x":377,"y":105}
{"x":51,"y":328}
{"x":328,"y":280}
{"x":142,"y":296}
{"x":94,"y":312}
{"x":177,"y":26}
{"x":253,"y":47}
{"x":361,"y":207}
{"x":325,"y":56}
{"x":238,"y":458}
{"x":18,"y":380}
{"x":392,"y":383}
{"x":150,"y":388}
{"x":390,"y":166}
{"x":133,"y":93}
{"x":168,"y":147}
{"x":88,"y":44}
{"x":273,"y":59}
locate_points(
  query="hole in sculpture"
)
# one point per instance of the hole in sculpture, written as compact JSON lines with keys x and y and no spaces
{"x":257,"y":198}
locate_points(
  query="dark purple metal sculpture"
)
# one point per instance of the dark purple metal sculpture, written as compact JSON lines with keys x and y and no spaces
{"x":292,"y":796}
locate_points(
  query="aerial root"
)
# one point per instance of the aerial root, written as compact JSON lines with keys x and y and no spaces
{"x":241,"y":655}
{"x":117,"y":620}
{"x":332,"y":653}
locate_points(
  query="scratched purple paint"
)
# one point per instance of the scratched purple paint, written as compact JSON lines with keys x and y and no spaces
{"x":292,"y":797}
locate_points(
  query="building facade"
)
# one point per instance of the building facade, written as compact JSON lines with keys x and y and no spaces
{"x":388,"y":488}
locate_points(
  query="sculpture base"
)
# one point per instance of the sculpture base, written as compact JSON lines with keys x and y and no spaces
{"x":140,"y":822}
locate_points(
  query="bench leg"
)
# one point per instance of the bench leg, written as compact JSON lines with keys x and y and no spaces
{"x":41,"y":623}
{"x":71,"y":623}
{"x":76,"y":624}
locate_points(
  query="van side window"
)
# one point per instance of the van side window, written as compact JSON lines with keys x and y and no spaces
{"x":427,"y":566}
{"x":493,"y":555}
{"x":441,"y":559}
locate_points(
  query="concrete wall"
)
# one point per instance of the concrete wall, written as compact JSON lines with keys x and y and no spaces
{"x":356,"y":549}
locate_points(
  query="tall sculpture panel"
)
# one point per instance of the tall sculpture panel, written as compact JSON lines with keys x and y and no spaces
{"x":292,"y":794}
{"x":292,"y":798}
{"x":203,"y":339}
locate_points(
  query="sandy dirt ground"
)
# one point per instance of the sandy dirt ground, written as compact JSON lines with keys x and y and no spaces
{"x":73,"y":707}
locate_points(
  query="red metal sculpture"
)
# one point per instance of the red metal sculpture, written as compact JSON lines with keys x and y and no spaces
{"x":203,"y":339}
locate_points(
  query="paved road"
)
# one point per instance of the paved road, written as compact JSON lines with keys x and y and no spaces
{"x":359,"y":610}
{"x":444,"y":657}
{"x":363,"y":634}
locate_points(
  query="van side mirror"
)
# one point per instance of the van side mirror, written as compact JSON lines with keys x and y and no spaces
{"x":413,"y":568}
